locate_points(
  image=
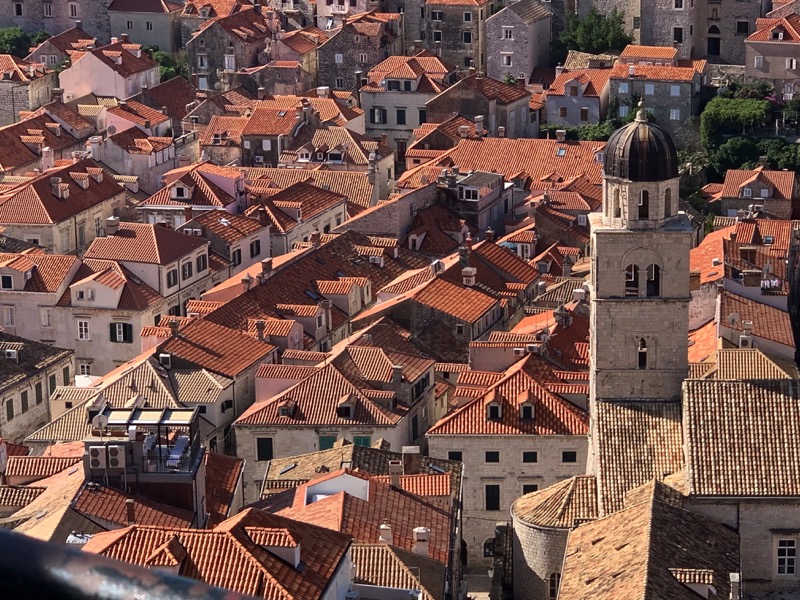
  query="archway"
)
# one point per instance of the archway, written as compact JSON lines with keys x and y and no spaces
{"x":713,"y":41}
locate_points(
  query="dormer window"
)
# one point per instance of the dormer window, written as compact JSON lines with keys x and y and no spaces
{"x":217,"y":139}
{"x":467,"y":193}
{"x":6,"y":282}
{"x":304,"y":156}
{"x":392,"y":85}
{"x":765,"y":193}
{"x":526,"y":411}
{"x":344,"y":411}
{"x":494,"y":412}
{"x":320,"y":156}
{"x":286,"y":408}
{"x":747,"y":192}
{"x":335,"y":156}
{"x":180,"y":192}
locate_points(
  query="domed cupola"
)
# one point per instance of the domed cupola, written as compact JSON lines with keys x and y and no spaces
{"x":641,"y":151}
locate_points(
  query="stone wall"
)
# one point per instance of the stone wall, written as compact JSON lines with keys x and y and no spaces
{"x":92,"y":13}
{"x":529,"y":46}
{"x":538,"y":553}
{"x":452,"y":26}
{"x":354,"y":52}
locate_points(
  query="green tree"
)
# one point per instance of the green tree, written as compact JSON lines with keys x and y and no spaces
{"x":509,"y":79}
{"x":595,"y":33}
{"x":14,"y":41}
{"x":738,"y":152}
{"x":38,"y":37}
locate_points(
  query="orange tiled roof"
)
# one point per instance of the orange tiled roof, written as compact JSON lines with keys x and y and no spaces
{"x":34,"y":468}
{"x":231,"y":557}
{"x":21,"y":71}
{"x":766,"y":30}
{"x":633,"y":51}
{"x":122,"y":58}
{"x":769,"y":323}
{"x":463,"y":303}
{"x":143,"y":243}
{"x":594,"y":80}
{"x":223,"y":475}
{"x":552,"y":414}
{"x":664,"y":73}
{"x":563,"y":505}
{"x":703,"y":342}
{"x":138,"y":113}
{"x":783,"y":182}
{"x":701,"y":257}
{"x":226,"y":226}
{"x":107,"y":504}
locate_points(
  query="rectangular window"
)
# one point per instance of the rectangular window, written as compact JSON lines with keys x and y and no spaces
{"x":530,"y":457}
{"x":508,"y":33}
{"x":83,"y":330}
{"x":507,"y":60}
{"x":649,"y":89}
{"x":339,"y":58}
{"x":584,"y":115}
{"x":149,"y":25}
{"x":24,"y":402}
{"x":528,"y":488}
{"x":85,"y":368}
{"x":677,"y":35}
{"x":759,"y":62}
{"x":492,"y":456}
{"x":562,"y":112}
{"x":339,"y":83}
{"x":678,"y":4}
{"x":237,"y":257}
{"x":674,"y":90}
{"x":202,"y":263}
{"x":787,"y":556}
{"x":230,"y":62}
{"x":17,"y":9}
{"x":623,"y":87}
{"x":9,"y":409}
{"x":263,"y":449}
{"x":401,"y":116}
{"x":73,"y":10}
{"x":674,"y":114}
{"x":492,"y":496}
{"x":255,"y":248}
{"x":623,"y":110}
{"x":637,"y":21}
{"x":437,"y":36}
{"x":39,"y":394}
{"x":467,"y":17}
{"x":65,"y":376}
{"x":9,"y":316}
{"x":48,"y":9}
{"x":121,"y":333}
{"x":7,"y":282}
{"x":51,"y":384}
{"x":129,"y":25}
{"x":569,"y":456}
{"x":186,"y":270}
{"x":362,"y":58}
{"x":742,"y":27}
{"x":172,"y":278}
{"x":791,"y":64}
{"x":436,"y":15}
{"x":326,"y":442}
{"x":362,"y":440}
{"x":423,"y":116}
{"x":455,"y":455}
{"x":466,"y":36}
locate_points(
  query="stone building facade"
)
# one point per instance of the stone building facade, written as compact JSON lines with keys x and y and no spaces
{"x":28,"y":87}
{"x":159,"y":26}
{"x":518,"y":39}
{"x":456,"y":31}
{"x":55,"y":17}
{"x":345,"y":59}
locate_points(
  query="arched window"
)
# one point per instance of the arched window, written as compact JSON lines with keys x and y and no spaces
{"x":642,"y":354}
{"x":713,"y":30}
{"x":653,"y":281}
{"x":644,"y":205}
{"x":667,"y":203}
{"x":632,"y":281}
{"x":617,"y":211}
{"x":553,"y":582}
{"x":488,"y":548}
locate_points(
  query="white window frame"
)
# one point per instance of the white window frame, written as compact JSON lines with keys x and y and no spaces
{"x":84,"y":331}
{"x":73,"y":10}
{"x":675,"y":91}
{"x":790,"y":565}
{"x":623,"y":87}
{"x":508,"y":33}
{"x":9,"y":315}
{"x":624,"y":109}
{"x":758,"y":62}
{"x":46,"y":316}
{"x":674,"y":114}
{"x":338,"y":58}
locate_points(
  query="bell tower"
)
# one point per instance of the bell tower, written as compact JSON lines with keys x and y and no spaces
{"x":640,"y":271}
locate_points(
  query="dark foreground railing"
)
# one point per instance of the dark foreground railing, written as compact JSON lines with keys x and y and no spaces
{"x":33,"y":569}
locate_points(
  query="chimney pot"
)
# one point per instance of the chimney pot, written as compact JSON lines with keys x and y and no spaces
{"x":490,"y":235}
{"x":112,"y":225}
{"x":385,"y":533}
{"x":397,"y":374}
{"x":411,"y":460}
{"x":247,"y":281}
{"x":55,"y":186}
{"x":261,"y":325}
{"x":266,"y":266}
{"x":395,"y":471}
{"x":422,"y":536}
{"x":187,"y":213}
{"x":130,"y":509}
{"x":173,"y":327}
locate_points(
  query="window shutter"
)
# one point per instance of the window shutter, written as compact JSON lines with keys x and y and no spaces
{"x":127,"y":331}
{"x":113,"y":329}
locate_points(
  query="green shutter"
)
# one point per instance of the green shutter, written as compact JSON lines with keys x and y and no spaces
{"x":127,"y":332}
{"x":113,"y":332}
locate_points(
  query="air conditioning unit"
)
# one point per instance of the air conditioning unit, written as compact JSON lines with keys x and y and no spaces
{"x":533,"y":348}
{"x":97,"y":457}
{"x":116,"y":457}
{"x":197,"y":232}
{"x":519,"y":351}
{"x":745,"y":341}
{"x":376,"y":260}
{"x":165,"y":360}
{"x":12,"y":354}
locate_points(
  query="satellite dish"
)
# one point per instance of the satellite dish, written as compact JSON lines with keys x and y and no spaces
{"x":100,"y":422}
{"x":111,"y":130}
{"x":734,"y":318}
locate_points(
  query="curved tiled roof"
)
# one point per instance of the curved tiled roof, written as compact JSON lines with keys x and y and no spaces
{"x":641,"y":151}
{"x":563,"y":505}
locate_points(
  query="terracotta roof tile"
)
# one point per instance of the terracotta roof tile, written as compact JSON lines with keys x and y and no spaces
{"x":122,"y":58}
{"x":563,"y":505}
{"x":229,"y":556}
{"x":723,"y":418}
{"x":226,"y":226}
{"x":782,"y":182}
{"x":389,"y":566}
{"x":767,"y":30}
{"x":636,"y":442}
{"x":634,"y":52}
{"x":106,"y":504}
{"x":593,"y":81}
{"x":769,"y":323}
{"x":34,"y":468}
{"x":653,"y":72}
{"x":703,"y":342}
{"x":143,"y":243}
{"x":18,"y":496}
{"x":701,"y":258}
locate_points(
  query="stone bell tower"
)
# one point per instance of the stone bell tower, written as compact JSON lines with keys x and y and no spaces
{"x":640,"y":272}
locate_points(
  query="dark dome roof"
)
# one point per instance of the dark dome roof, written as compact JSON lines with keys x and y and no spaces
{"x":641,"y":151}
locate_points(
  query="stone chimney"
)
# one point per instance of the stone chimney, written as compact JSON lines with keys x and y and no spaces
{"x":247,"y":281}
{"x":559,"y":69}
{"x":173,"y":327}
{"x":55,"y":186}
{"x":316,"y":237}
{"x":479,"y":124}
{"x":395,"y":471}
{"x":372,"y":168}
{"x":561,"y":135}
{"x":48,"y":158}
{"x":422,"y":538}
{"x":501,"y":131}
{"x":93,"y":146}
{"x":468,"y":276}
{"x":187,"y":213}
{"x":112,"y":225}
{"x":262,"y":216}
{"x":385,"y":533}
{"x":130,"y":510}
{"x":490,"y":235}
{"x":78,"y":24}
{"x":323,"y":91}
{"x":326,"y":307}
{"x":266,"y":268}
{"x":123,"y":37}
{"x":261,"y":325}
{"x":397,"y":374}
{"x":261,"y":93}
{"x":411,"y":460}
{"x":57,"y":95}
